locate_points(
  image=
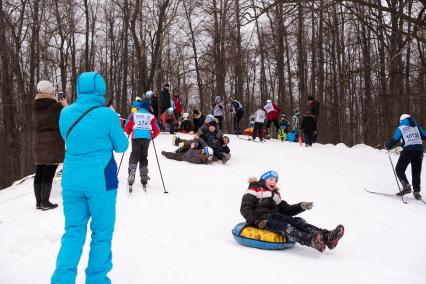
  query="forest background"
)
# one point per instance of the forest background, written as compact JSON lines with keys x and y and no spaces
{"x":363,"y":60}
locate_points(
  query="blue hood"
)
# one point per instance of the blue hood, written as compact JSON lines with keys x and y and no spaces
{"x":91,"y":88}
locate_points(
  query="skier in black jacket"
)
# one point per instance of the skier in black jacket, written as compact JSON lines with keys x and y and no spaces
{"x":263,"y":207}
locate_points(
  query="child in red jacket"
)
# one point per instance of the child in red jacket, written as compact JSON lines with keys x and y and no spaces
{"x":263,"y":207}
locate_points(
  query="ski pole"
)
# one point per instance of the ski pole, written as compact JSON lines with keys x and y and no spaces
{"x":159,"y":168}
{"x":122,"y":156}
{"x":396,"y":178}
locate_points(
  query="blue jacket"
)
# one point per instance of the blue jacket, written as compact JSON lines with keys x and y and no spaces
{"x":410,"y":134}
{"x":89,"y":162}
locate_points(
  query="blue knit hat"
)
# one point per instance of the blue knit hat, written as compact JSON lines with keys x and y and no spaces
{"x":269,"y":174}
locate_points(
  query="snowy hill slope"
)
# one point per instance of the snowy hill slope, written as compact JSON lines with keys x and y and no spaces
{"x":185,"y":236}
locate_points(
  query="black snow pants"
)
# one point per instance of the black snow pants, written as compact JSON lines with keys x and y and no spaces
{"x":294,"y":228}
{"x":258,"y":129}
{"x":415,"y":158}
{"x":140,"y":155}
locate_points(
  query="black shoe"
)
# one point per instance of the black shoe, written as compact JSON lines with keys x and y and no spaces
{"x":405,"y":190}
{"x":332,"y":237}
{"x":131,"y":178}
{"x":38,"y":206}
{"x":47,"y":206}
{"x":163,"y":153}
{"x":417,"y":195}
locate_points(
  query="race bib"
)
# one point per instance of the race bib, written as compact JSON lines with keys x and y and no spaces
{"x":269,"y":108}
{"x":411,"y":135}
{"x":142,"y":121}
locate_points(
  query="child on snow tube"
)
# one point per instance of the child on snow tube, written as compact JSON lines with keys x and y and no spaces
{"x":263,"y":208}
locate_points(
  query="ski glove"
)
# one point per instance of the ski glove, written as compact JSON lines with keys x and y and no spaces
{"x":307,"y":205}
{"x":261,"y":224}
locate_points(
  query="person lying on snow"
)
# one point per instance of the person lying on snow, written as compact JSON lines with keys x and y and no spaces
{"x":263,"y":208}
{"x":193,"y":155}
{"x":185,"y":144}
{"x":212,"y":138}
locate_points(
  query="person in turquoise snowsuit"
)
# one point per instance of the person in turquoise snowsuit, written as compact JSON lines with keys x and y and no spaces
{"x":89,"y":181}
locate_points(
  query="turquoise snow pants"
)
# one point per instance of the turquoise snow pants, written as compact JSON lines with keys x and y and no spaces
{"x":79,"y":207}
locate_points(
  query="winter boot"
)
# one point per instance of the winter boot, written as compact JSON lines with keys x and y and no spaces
{"x":406,"y":188}
{"x":331,"y":238}
{"x":45,"y":195}
{"x":317,"y":242}
{"x":417,"y":195}
{"x":163,"y":153}
{"x":37,"y":193}
{"x":131,"y":178}
{"x":226,"y":158}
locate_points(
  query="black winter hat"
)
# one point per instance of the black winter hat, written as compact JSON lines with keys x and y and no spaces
{"x":212,"y":123}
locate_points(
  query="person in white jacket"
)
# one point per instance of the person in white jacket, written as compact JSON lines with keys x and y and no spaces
{"x":259,"y":122}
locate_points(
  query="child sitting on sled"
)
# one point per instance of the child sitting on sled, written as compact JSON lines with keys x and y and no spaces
{"x":263,"y":207}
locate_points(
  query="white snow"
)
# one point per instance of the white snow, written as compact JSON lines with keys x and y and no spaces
{"x":185,"y":236}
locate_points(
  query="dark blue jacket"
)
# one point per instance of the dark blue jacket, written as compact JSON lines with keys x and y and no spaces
{"x":409,"y":134}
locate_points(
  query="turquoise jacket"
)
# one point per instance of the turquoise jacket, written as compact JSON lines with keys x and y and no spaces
{"x":89,"y":163}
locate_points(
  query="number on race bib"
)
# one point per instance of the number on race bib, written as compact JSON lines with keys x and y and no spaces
{"x":143,"y":121}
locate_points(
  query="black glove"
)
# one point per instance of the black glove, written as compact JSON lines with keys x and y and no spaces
{"x":261,"y":224}
{"x":307,"y":205}
{"x":387,"y":147}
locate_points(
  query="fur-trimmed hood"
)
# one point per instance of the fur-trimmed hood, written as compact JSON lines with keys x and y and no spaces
{"x":252,"y":180}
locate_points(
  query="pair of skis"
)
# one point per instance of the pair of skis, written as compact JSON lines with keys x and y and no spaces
{"x":393,"y":195}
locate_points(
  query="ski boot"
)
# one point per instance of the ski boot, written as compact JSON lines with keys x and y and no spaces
{"x":131,"y":179}
{"x":417,"y":195}
{"x":331,"y":238}
{"x":317,"y":242}
{"x":144,"y":182}
{"x":406,"y":188}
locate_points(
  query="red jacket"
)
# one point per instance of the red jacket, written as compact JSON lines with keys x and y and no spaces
{"x":178,"y":107}
{"x":273,"y":114}
{"x":165,"y":116}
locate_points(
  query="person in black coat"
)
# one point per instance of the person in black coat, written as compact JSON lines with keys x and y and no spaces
{"x":238,"y":111}
{"x":263,"y":207}
{"x":164,"y":99}
{"x":186,"y":123}
{"x":197,"y":119}
{"x":313,"y":107}
{"x":309,"y":128}
{"x":48,"y":146}
{"x":154,"y":105}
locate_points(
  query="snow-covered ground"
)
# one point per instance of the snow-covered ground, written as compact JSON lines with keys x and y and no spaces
{"x":185,"y":236}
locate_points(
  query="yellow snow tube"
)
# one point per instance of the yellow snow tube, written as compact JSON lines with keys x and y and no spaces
{"x":262,"y":235}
